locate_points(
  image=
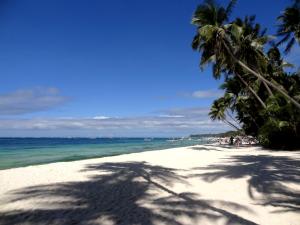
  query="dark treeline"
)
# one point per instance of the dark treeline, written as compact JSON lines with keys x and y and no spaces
{"x":260,"y":97}
{"x":224,"y":134}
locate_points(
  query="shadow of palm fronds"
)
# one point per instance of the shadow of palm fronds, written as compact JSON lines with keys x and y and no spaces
{"x":122,"y":193}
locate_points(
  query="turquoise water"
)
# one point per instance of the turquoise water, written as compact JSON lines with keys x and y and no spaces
{"x":18,"y":152}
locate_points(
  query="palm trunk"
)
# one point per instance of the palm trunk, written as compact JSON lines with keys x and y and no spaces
{"x":260,"y":77}
{"x":268,"y":89}
{"x":230,"y":124}
{"x":231,"y":117}
{"x":251,"y":90}
{"x":297,"y":104}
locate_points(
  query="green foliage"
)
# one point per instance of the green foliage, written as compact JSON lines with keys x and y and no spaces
{"x":289,"y":28}
{"x":237,"y":52}
{"x":225,"y":134}
{"x":277,"y":134}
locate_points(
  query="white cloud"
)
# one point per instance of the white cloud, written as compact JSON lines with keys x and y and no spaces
{"x":101,"y":117}
{"x":171,"y":116}
{"x":30,"y":100}
{"x":207,"y":94}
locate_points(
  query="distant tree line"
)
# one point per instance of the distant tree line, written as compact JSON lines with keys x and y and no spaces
{"x":260,"y":97}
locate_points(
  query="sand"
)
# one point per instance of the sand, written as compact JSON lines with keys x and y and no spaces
{"x":202,"y":184}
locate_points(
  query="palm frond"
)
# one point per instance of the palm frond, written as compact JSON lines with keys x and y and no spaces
{"x":284,"y":39}
{"x":263,"y":32}
{"x":230,"y":7}
{"x":196,"y":42}
{"x":289,"y":45}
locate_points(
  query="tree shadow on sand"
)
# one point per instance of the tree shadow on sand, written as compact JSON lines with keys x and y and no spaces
{"x":204,"y":148}
{"x":118,"y":196}
{"x":267,"y":178}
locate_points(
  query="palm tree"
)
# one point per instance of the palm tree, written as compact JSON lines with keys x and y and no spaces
{"x":251,"y":90}
{"x":289,"y":27}
{"x":215,"y":40}
{"x":249,"y":41}
{"x":219,"y":110}
{"x":276,"y":64}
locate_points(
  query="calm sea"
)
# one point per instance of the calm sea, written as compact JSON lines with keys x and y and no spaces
{"x":18,"y":152}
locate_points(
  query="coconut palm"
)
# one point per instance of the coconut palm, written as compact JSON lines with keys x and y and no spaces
{"x":276,"y":64}
{"x":216,"y":41}
{"x":249,"y":43}
{"x":289,"y":27}
{"x":220,"y":110}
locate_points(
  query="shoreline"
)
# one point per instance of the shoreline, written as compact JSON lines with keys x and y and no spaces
{"x":93,"y":158}
{"x":96,"y":157}
{"x":129,"y":153}
{"x":20,"y":153}
{"x":186,"y":185}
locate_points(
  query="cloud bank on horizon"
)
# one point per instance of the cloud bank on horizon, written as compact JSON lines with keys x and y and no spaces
{"x":170,"y":122}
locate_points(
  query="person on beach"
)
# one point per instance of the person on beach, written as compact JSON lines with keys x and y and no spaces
{"x":231,"y":140}
{"x":237,"y":142}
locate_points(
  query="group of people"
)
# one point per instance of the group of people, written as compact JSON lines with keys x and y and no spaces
{"x":238,"y":140}
{"x":235,"y":141}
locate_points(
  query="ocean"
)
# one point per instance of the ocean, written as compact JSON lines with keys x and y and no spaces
{"x":19,"y":152}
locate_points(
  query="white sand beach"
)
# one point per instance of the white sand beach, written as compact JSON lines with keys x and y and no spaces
{"x":203,"y":184}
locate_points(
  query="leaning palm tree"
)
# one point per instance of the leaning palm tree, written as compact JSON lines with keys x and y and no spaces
{"x":219,"y":110}
{"x":249,"y":43}
{"x":214,"y":40}
{"x":249,"y":40}
{"x":276,"y":63}
{"x":289,"y":27}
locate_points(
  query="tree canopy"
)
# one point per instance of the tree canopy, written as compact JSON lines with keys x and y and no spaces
{"x":260,"y":96}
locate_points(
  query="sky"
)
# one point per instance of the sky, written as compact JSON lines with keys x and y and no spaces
{"x":108,"y":68}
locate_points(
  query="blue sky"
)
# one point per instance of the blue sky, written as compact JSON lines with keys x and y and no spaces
{"x":86,"y":68}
